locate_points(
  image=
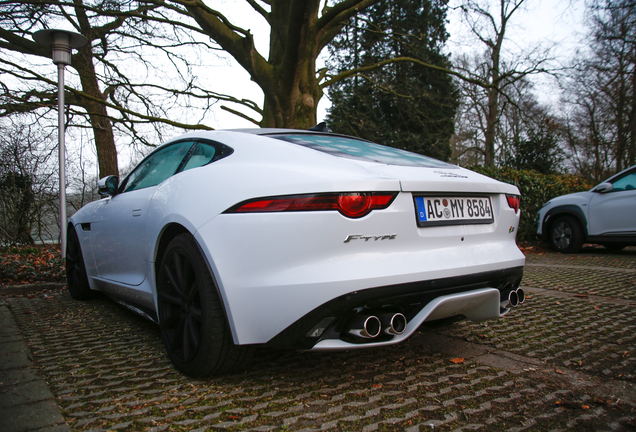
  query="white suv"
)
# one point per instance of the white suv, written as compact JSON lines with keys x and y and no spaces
{"x":604,"y":215}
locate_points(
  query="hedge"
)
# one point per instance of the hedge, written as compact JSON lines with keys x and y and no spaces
{"x":536,"y":189}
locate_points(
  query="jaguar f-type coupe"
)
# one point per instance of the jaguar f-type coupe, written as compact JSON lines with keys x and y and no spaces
{"x":236,"y":239}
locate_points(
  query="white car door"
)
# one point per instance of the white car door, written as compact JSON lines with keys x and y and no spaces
{"x":118,"y":225}
{"x":614,"y":212}
{"x":117,"y":236}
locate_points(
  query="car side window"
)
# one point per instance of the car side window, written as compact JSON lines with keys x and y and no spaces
{"x":627,"y":182}
{"x":158,"y":166}
{"x":200,"y":155}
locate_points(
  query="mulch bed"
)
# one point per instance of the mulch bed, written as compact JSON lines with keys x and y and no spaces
{"x":24,"y":265}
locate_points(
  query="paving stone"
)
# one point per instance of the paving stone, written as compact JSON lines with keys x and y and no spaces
{"x":565,"y":360}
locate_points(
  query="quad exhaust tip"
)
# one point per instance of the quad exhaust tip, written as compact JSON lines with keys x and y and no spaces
{"x":393,"y":324}
{"x":371,"y":326}
{"x":516,"y":297}
{"x":365,"y":326}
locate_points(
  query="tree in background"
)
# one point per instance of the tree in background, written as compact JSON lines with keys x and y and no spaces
{"x":402,"y":105}
{"x":496,"y":70}
{"x":133,"y":73}
{"x":124,"y":79}
{"x":601,"y":93}
{"x":521,"y":124}
{"x":26,"y":181}
{"x":299,"y":30}
{"x":538,"y":150}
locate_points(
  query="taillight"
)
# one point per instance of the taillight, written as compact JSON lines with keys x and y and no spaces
{"x":514,"y":202}
{"x":353,"y":205}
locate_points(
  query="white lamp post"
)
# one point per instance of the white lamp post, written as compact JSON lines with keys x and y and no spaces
{"x":61,"y":43}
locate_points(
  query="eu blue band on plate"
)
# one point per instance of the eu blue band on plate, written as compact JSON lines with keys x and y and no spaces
{"x":421,"y":209}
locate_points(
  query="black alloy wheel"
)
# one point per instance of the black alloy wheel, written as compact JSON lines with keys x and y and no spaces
{"x":566,"y":235}
{"x":193,"y":325}
{"x":76,"y":278}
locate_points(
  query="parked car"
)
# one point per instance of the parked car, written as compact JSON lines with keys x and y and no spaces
{"x":232,"y":240}
{"x":604,"y":215}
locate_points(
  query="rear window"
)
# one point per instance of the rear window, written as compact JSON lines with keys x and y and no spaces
{"x":352,"y":148}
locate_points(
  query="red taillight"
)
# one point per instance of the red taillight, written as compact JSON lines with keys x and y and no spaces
{"x":514,"y":202}
{"x":353,"y":205}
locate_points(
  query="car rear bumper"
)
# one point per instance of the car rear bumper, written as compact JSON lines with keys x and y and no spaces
{"x":477,"y":297}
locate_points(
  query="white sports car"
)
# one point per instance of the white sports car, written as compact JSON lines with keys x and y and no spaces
{"x":295,"y":239}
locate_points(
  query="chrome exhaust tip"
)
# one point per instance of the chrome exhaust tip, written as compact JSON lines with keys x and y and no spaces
{"x":364,"y":326}
{"x":521,"y":295}
{"x":513,"y":299}
{"x":393,"y":323}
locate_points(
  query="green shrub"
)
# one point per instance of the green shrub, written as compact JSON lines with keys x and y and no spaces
{"x":536,"y":189}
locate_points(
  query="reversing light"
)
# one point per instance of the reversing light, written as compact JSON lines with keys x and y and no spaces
{"x":352,"y":205}
{"x":514,"y":202}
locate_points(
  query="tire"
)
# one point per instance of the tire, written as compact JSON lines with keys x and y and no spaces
{"x":566,"y":235}
{"x":193,"y":324}
{"x":76,"y":278}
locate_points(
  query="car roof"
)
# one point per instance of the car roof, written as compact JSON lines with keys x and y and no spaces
{"x":267,"y":131}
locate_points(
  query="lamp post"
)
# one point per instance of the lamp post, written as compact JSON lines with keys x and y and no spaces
{"x":61,"y":43}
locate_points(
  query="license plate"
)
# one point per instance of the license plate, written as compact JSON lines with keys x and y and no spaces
{"x":449,"y":210}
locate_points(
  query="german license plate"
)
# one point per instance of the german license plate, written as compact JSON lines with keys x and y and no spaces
{"x":451,"y":210}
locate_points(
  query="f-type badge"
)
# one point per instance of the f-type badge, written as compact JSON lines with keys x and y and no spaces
{"x":352,"y":237}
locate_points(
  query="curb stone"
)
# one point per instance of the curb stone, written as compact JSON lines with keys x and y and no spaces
{"x":26,"y":402}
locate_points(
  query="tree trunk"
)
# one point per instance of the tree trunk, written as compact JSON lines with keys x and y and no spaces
{"x":292,"y":98}
{"x":101,"y":125}
{"x":621,"y":138}
{"x":632,"y":120}
{"x":491,"y":127}
{"x":493,"y":102}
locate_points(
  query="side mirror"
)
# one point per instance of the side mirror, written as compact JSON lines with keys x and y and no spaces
{"x":108,"y":185}
{"x":604,"y":187}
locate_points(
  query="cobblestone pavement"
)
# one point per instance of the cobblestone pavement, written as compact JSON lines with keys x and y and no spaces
{"x":565,"y":360}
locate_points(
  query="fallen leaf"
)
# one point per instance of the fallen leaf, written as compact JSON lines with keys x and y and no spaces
{"x":571,"y":405}
{"x":559,"y":371}
{"x":458,"y":360}
{"x":233,"y":417}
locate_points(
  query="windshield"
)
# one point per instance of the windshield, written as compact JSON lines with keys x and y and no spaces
{"x":352,"y":148}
